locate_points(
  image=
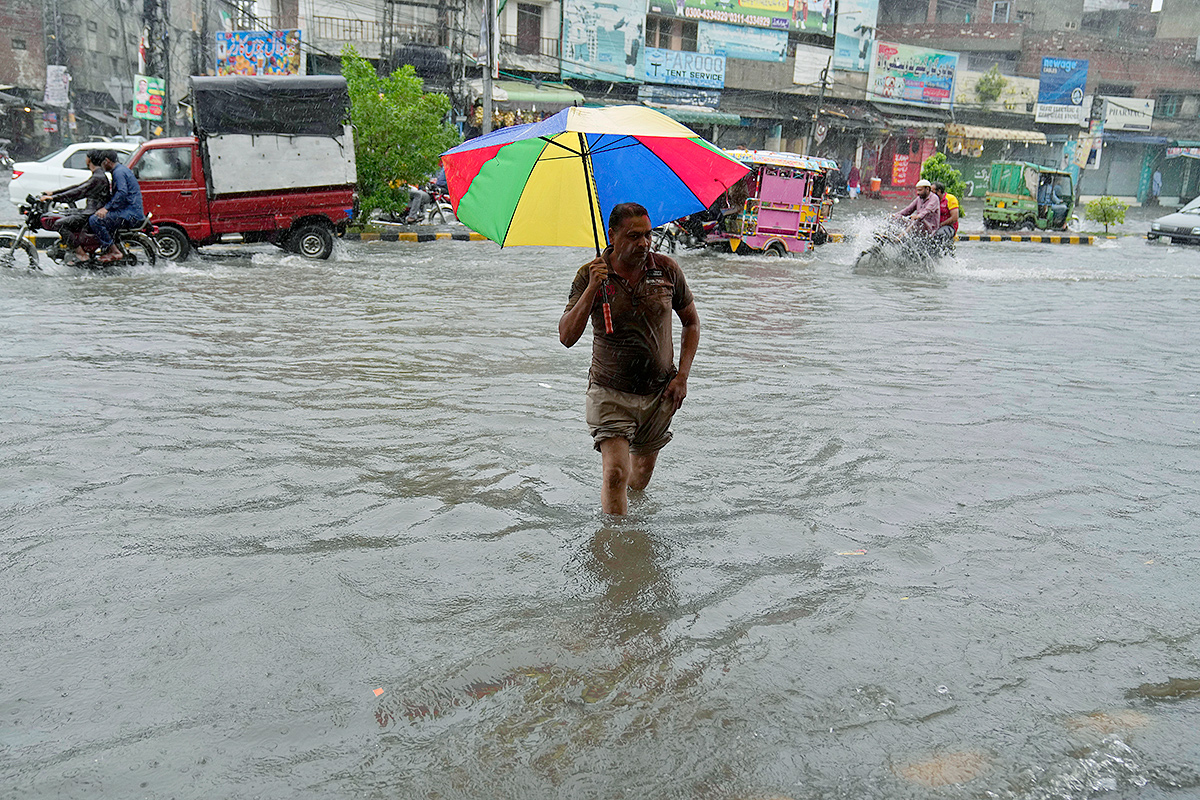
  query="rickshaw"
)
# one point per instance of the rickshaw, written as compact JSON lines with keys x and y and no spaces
{"x":781,"y":206}
{"x":1030,"y":196}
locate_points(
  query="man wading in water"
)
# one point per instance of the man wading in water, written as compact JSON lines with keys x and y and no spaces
{"x":633,"y":386}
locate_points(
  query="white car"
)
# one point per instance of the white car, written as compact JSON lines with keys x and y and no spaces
{"x":58,"y":170}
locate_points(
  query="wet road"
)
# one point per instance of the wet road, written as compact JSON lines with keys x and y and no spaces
{"x":913,"y":531}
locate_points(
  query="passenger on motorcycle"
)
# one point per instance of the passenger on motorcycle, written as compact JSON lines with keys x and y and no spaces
{"x":948,"y":216}
{"x":95,"y":190}
{"x":124,"y":208}
{"x":924,"y":212}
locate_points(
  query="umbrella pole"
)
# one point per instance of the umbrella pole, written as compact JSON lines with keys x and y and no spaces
{"x":591,"y":190}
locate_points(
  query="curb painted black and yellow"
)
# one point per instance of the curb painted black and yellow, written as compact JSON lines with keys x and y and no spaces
{"x":1042,"y":238}
{"x":410,"y":236}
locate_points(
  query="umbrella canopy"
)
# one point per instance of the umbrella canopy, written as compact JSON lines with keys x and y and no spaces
{"x":554,"y":182}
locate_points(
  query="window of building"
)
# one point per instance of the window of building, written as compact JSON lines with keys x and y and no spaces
{"x":1000,"y":11}
{"x":1024,"y":17}
{"x":1168,"y":105}
{"x":92,"y":26}
{"x":18,"y":44}
{"x":1114,"y":90}
{"x":671,"y":34}
{"x":112,"y":32}
{"x":115,"y":62}
{"x":529,"y":28}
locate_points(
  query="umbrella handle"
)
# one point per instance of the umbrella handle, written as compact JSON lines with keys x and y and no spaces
{"x":608,"y":326}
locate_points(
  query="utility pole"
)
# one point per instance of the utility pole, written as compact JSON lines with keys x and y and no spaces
{"x":826,"y":77}
{"x":492,"y":67}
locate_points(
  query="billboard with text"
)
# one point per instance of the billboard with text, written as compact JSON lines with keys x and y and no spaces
{"x":902,"y":73}
{"x":1060,"y":91}
{"x":814,"y":17}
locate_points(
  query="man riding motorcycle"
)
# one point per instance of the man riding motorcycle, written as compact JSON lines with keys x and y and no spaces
{"x":924,"y":212}
{"x":124,"y":208}
{"x":95,"y":190}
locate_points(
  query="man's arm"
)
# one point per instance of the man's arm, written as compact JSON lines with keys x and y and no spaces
{"x":908,"y":209}
{"x":70,"y":193}
{"x":574,"y":320}
{"x":690,"y":318}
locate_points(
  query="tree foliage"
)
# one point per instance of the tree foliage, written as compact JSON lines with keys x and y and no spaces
{"x":990,"y":85}
{"x":1106,"y":210}
{"x":936,"y":168}
{"x":399,"y":131}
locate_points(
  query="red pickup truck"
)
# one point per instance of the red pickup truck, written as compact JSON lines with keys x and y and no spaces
{"x":174,"y":189}
{"x":272,"y":161}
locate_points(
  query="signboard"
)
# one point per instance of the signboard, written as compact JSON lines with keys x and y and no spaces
{"x":811,"y":63}
{"x":678,"y":96}
{"x":736,"y":41}
{"x":902,"y":73}
{"x":603,"y":40}
{"x":58,"y":83}
{"x":148,"y":97}
{"x":1185,"y":152}
{"x":683,"y":68}
{"x":1091,"y":145}
{"x":806,"y":16}
{"x":50,"y":121}
{"x":855,"y":35}
{"x":1060,"y":91}
{"x":259,"y":53}
{"x":1128,"y":113}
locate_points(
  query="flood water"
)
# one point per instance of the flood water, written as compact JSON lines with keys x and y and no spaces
{"x":282,"y":529}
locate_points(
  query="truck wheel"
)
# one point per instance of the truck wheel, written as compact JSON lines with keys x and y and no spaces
{"x":172,"y":244}
{"x":311,"y":241}
{"x":775,"y":250}
{"x":989,"y":223}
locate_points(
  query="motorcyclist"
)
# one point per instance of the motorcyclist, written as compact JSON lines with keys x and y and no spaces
{"x":924,"y":212}
{"x":124,"y":208}
{"x":95,"y":190}
{"x":948,"y":214}
{"x":418,"y":198}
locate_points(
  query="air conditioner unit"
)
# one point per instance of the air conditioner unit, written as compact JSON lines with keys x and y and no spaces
{"x":1071,"y":25}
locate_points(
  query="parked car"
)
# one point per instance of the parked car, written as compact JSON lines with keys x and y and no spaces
{"x":1182,"y":227}
{"x":61,"y":168}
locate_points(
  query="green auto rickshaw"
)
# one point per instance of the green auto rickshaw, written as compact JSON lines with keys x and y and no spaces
{"x":1030,"y":196}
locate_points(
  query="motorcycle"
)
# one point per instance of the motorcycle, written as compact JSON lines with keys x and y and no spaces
{"x":896,"y":248}
{"x":687,"y":232}
{"x":135,"y":244}
{"x":438,"y":208}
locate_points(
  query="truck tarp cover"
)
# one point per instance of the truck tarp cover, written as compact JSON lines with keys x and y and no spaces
{"x":290,"y":106}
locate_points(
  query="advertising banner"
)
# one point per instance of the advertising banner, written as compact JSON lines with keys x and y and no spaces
{"x":806,"y":16}
{"x":678,"y":96}
{"x":603,"y":40}
{"x":149,"y":95}
{"x":58,"y":82}
{"x":749,"y":44}
{"x":683,"y":68}
{"x":1128,"y":113}
{"x":1060,"y":91}
{"x":1183,"y":152}
{"x":902,"y":73}
{"x":855,"y":34}
{"x":259,"y":53}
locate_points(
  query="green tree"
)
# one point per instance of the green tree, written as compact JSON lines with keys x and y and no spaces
{"x":399,"y":131}
{"x":1106,"y":210}
{"x":936,"y":168}
{"x":990,"y":85}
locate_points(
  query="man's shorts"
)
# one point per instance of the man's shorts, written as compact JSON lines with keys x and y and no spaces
{"x":643,"y":419}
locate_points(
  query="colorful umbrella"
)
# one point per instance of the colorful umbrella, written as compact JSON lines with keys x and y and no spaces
{"x":554,"y":182}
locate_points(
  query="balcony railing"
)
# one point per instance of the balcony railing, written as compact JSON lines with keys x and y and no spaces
{"x":512,"y":45}
{"x":346,"y":30}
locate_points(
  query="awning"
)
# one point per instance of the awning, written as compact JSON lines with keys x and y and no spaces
{"x":912,"y":112}
{"x":995,"y":134}
{"x":513,"y":95}
{"x":1134,"y":138}
{"x":690,"y":115}
{"x":106,"y":119}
